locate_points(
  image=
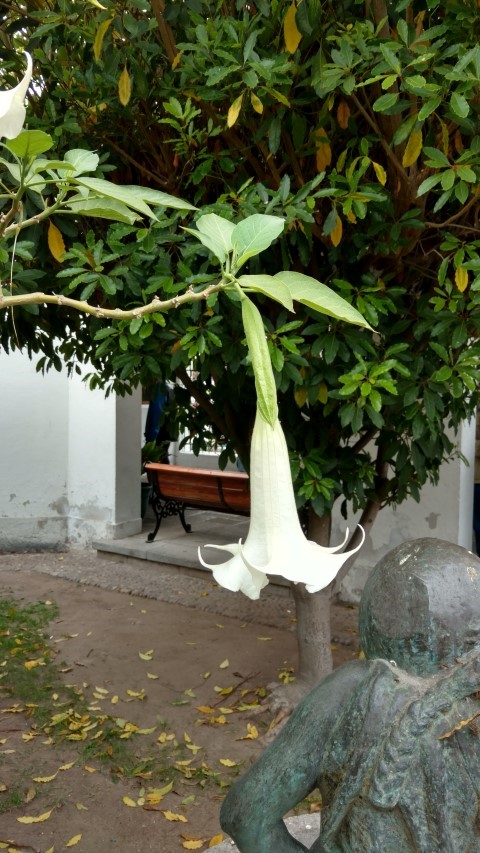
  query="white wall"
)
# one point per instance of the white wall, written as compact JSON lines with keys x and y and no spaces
{"x":70,"y":461}
{"x":444,"y":512}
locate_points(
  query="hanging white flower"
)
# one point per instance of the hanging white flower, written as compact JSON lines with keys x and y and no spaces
{"x":275,"y":543}
{"x":12,"y":105}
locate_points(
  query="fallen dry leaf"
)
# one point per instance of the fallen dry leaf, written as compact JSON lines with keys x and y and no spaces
{"x":217,"y":839}
{"x":152,"y":676}
{"x":39,"y":819}
{"x":224,"y":664}
{"x":227,"y":762}
{"x":252,"y":733}
{"x":129,"y":802}
{"x":193,"y":844}
{"x":45,"y":778}
{"x":73,"y":841}
{"x":146,"y":655}
{"x":172,"y":816}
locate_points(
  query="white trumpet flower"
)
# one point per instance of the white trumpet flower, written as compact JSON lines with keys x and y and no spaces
{"x":275,"y":543}
{"x":12,"y":105}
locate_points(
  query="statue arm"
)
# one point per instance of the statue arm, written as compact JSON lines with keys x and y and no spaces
{"x":289,"y":769}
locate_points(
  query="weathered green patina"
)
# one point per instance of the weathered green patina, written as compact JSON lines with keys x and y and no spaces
{"x":396,"y":755}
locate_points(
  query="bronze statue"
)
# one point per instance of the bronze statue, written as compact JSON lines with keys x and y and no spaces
{"x":394,"y":752}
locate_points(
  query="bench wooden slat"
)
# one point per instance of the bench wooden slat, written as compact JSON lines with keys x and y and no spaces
{"x":198,"y":488}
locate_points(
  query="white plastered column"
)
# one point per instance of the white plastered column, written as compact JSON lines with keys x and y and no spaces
{"x":69,"y":460}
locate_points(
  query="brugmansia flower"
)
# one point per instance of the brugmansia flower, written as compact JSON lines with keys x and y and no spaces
{"x":275,"y":543}
{"x":12,"y":105}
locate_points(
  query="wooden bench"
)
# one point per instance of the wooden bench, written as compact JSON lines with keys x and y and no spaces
{"x":175,"y":488}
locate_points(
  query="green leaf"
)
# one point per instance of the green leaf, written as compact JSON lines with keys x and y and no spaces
{"x":269,"y":286}
{"x":429,"y":107}
{"x":29,"y":143}
{"x":218,"y":228}
{"x":130,"y":196}
{"x":459,"y":105}
{"x":384,"y":102}
{"x":314,"y":294}
{"x":82,"y":160}
{"x":103,"y":208}
{"x":254,"y":235}
{"x":211,"y":243}
{"x":164,"y":199}
{"x":261,"y":363}
{"x":428,"y":184}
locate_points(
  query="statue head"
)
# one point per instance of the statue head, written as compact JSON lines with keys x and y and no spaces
{"x":421,"y":606}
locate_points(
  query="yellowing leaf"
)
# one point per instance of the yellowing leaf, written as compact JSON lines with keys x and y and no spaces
{"x":193,"y":845}
{"x":343,"y":114}
{"x":217,"y":839}
{"x":380,"y":173}
{"x":31,"y":664}
{"x":177,"y":58}
{"x":324,"y":151}
{"x":234,"y":111}
{"x":461,"y":278}
{"x":300,"y":396}
{"x":74,"y":840}
{"x":44,"y":778}
{"x":291,"y":33}
{"x":38,"y":819}
{"x":224,"y":664}
{"x":252,"y":733}
{"x":99,"y":37}
{"x":256,"y":103}
{"x":56,"y":243}
{"x":351,"y":216}
{"x":146,"y":655}
{"x":124,"y":87}
{"x":172,"y":816}
{"x":413,"y":148}
{"x":336,"y":234}
{"x":227,"y":762}
{"x":129,"y":802}
{"x":322,"y":393}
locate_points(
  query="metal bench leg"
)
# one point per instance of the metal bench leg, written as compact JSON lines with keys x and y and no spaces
{"x":165,"y":509}
{"x":181,"y":511}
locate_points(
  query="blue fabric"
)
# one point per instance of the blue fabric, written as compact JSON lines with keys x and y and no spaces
{"x":155,"y":409}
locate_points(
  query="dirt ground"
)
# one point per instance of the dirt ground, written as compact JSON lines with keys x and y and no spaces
{"x":161,"y":667}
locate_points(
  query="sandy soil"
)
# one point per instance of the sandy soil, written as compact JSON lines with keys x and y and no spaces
{"x":112,"y":642}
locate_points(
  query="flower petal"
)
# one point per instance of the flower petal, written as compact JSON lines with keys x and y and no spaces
{"x":235,"y":574}
{"x":12,"y":105}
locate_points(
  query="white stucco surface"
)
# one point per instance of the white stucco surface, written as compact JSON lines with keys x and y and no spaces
{"x":68,"y":459}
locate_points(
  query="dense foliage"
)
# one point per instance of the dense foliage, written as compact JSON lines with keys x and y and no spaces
{"x":357,"y":123}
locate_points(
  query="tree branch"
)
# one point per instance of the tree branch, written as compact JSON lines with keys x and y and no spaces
{"x":156,"y":306}
{"x":166,"y":32}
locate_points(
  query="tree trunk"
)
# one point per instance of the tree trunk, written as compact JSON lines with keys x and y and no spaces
{"x":313,"y":615}
{"x":313,"y":634}
{"x":312,"y":612}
